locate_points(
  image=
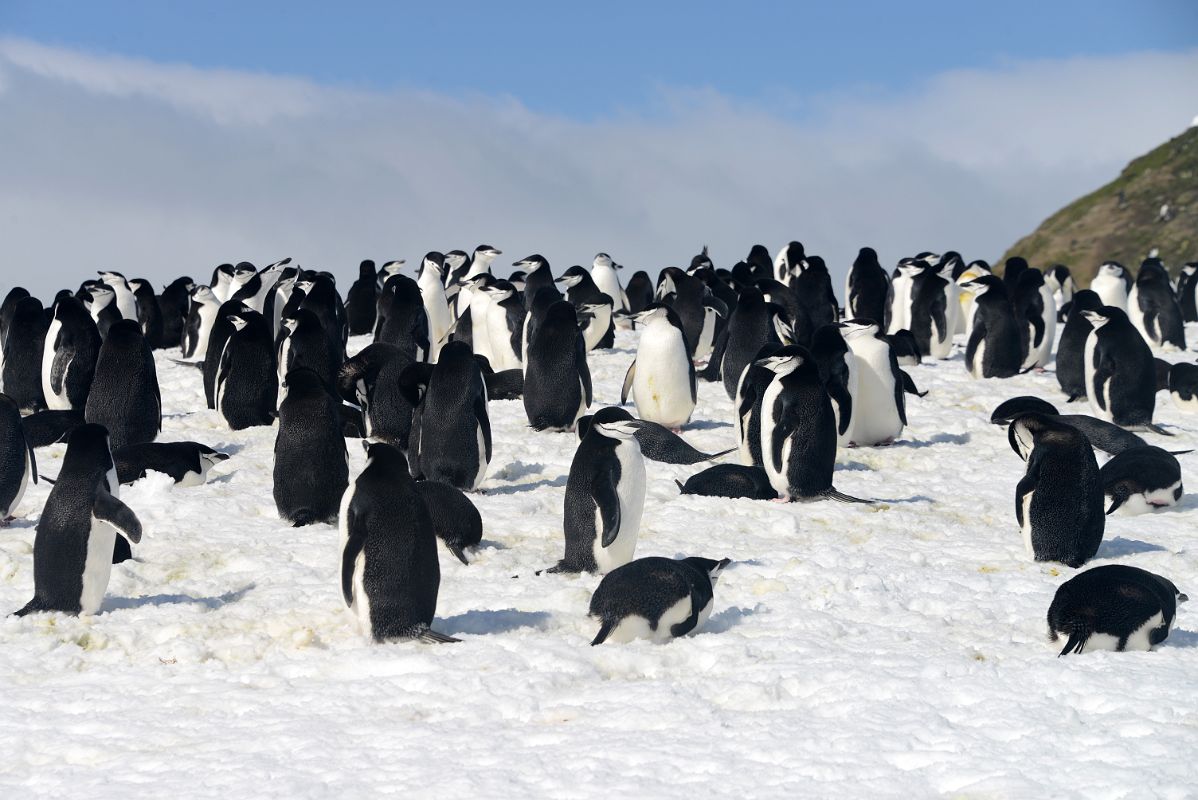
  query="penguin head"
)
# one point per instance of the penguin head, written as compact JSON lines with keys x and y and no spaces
{"x":101,"y":296}
{"x":89,"y":450}
{"x":928,"y":258}
{"x":866,"y":256}
{"x":498,"y":289}
{"x":387,"y":455}
{"x":858,"y":329}
{"x":709,"y":566}
{"x":1189,"y":268}
{"x":517,"y":279}
{"x":244,"y":270}
{"x":389,"y":268}
{"x":1029,"y":426}
{"x":623,"y":430}
{"x":204,"y":294}
{"x":1103,"y":315}
{"x":983,"y":284}
{"x":433,"y":261}
{"x":484,"y":254}
{"x":455,"y":259}
{"x":367,"y":269}
{"x":138,"y":284}
{"x":952,"y":262}
{"x":572,"y":277}
{"x":1008,"y":410}
{"x":910,"y":267}
{"x":653,"y":312}
{"x":785,"y":360}
{"x":112,"y":278}
{"x":603,"y":260}
{"x":701,"y":262}
{"x":1112,"y":269}
{"x":237,"y":321}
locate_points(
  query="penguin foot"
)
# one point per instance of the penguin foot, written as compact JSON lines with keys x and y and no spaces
{"x":780,"y":500}
{"x":4,"y":523}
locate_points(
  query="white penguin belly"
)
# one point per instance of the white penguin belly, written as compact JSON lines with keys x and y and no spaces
{"x":843,"y":439}
{"x":900,"y":308}
{"x":979,"y":355}
{"x":597,"y":327}
{"x":875,"y":414}
{"x":1144,"y":502}
{"x":480,"y":309}
{"x":207,"y":320}
{"x":98,"y":566}
{"x":1050,"y":326}
{"x":661,"y":387}
{"x":631,"y":491}
{"x":361,"y":603}
{"x":706,"y":337}
{"x":5,"y":513}
{"x":635,"y":626}
{"x":743,"y":451}
{"x":777,"y":476}
{"x":1089,"y":369}
{"x":436,"y":308}
{"x":1026,"y":530}
{"x":941,"y":345}
{"x":482,"y":456}
{"x":500,"y":338}
{"x":54,"y":402}
{"x":606,"y":280}
{"x":1111,"y":290}
{"x":1137,"y":640}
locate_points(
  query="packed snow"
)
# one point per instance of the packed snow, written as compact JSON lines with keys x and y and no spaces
{"x":898,"y":649}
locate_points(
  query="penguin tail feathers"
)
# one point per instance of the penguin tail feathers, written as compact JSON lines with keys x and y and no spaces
{"x":1152,"y":426}
{"x":456,"y":549}
{"x":430,"y":636}
{"x":681,"y":488}
{"x":841,"y":497}
{"x":1179,"y":452}
{"x":1116,"y":502}
{"x":604,"y":630}
{"x":714,"y":456}
{"x":1073,"y":398}
{"x":32,"y":607}
{"x":1077,"y":640}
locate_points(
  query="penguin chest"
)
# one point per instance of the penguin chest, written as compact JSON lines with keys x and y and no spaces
{"x":101,"y":538}
{"x":597,"y":327}
{"x":875,"y":414}
{"x":661,"y":384}
{"x":706,"y":337}
{"x":631,"y":493}
{"x":775,"y":463}
{"x":361,"y":601}
{"x":21,"y":487}
{"x":1026,"y":529}
{"x":979,"y":360}
{"x":481,"y":444}
{"x":500,"y":338}
{"x":1093,"y":393}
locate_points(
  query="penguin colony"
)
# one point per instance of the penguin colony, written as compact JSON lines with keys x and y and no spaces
{"x":808,"y":377}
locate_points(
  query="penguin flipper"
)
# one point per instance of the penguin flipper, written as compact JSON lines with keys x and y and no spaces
{"x":607,"y":499}
{"x":909,"y":384}
{"x":627,"y":387}
{"x":349,"y":557}
{"x":604,"y":630}
{"x":112,"y":511}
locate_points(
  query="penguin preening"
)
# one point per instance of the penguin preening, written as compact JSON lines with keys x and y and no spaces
{"x":655,"y":598}
{"x":1141,"y":479}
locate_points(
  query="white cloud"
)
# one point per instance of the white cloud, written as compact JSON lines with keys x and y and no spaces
{"x":164,"y":169}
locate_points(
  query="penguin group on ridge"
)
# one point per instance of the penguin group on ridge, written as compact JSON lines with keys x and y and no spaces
{"x":807,"y":377}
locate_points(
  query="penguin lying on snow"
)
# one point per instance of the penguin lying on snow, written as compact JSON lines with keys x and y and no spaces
{"x":655,"y":598}
{"x":455,"y":520}
{"x":1113,"y":607}
{"x":657,"y":442}
{"x":1141,"y":479}
{"x":730,"y":480}
{"x":390,"y":573}
{"x":76,"y":536}
{"x":1058,"y":502}
{"x":1183,"y":386}
{"x":187,"y":463}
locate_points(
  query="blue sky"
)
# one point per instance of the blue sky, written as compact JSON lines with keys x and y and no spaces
{"x":590,"y":59}
{"x":163,"y":138}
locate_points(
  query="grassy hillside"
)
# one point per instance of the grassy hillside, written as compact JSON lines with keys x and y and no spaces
{"x":1122,"y":221}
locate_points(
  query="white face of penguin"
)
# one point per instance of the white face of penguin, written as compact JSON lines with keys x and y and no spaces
{"x":623,"y":429}
{"x":652,"y":315}
{"x":602,"y":260}
{"x":1024,"y":439}
{"x":1111,"y":270}
{"x":781,"y":365}
{"x":1096,"y":318}
{"x":858,"y":330}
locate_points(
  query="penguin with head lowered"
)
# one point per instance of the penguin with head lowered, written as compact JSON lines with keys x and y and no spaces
{"x":655,"y":598}
{"x":1183,"y":386}
{"x":69,"y":356}
{"x":557,"y":381}
{"x":1120,"y":372}
{"x":187,"y":463}
{"x":1071,"y":352}
{"x":1113,"y":607}
{"x":17,"y":462}
{"x":24,"y":341}
{"x":605,"y":496}
{"x":1058,"y":502}
{"x":1153,"y":308}
{"x":661,"y":378}
{"x":311,"y":470}
{"x":1141,"y":479}
{"x":124,"y":395}
{"x":798,"y":429}
{"x":994,"y":349}
{"x":454,"y":429}
{"x":76,"y":535}
{"x":247,"y":384}
{"x":390,"y":570}
{"x":362,"y":299}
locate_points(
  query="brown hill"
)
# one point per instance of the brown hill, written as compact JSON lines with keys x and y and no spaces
{"x":1152,"y":204}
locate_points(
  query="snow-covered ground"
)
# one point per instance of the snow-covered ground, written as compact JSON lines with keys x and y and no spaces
{"x":893,"y":650}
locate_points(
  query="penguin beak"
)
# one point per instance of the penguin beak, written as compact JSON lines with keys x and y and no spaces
{"x":1182,"y":597}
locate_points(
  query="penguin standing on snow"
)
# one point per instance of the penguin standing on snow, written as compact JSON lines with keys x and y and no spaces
{"x":603,"y":273}
{"x":1071,"y":352}
{"x":247,"y":385}
{"x":1153,"y":308}
{"x":1112,"y":284}
{"x":505,"y":326}
{"x":362,"y":300}
{"x":201,"y":316}
{"x":1187,"y":292}
{"x":639,"y":291}
{"x":303,"y":343}
{"x":1120,"y":372}
{"x":750,"y":326}
{"x":684,"y":293}
{"x":1058,"y":502}
{"x":149,"y":314}
{"x":1034,"y":311}
{"x":172,"y":305}
{"x":655,"y":598}
{"x":69,"y":356}
{"x":537,"y":276}
{"x":187,"y":463}
{"x":125,"y":300}
{"x":124,"y":396}
{"x":24,"y":341}
{"x":454,"y":432}
{"x":76,"y":535}
{"x":1183,"y":386}
{"x":934,"y":310}
{"x":436,"y":307}
{"x":812,"y":287}
{"x":402,"y":320}
{"x":798,"y":429}
{"x":754,"y":380}
{"x":1141,"y":479}
{"x":1113,"y":607}
{"x":222,"y":329}
{"x":867,"y":287}
{"x":994,"y":348}
{"x":390,"y":571}
{"x":1059,"y":281}
{"x":370,"y":380}
{"x":898,"y":312}
{"x":17,"y":462}
{"x":878,"y":405}
{"x":605,"y":496}
{"x":838,"y":370}
{"x":661,"y":379}
{"x":557,"y":381}
{"x":311,"y":470}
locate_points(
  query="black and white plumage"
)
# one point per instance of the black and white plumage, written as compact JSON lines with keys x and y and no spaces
{"x":18,"y":466}
{"x":1113,"y":607}
{"x":451,"y":425}
{"x":74,"y":548}
{"x":655,"y":598}
{"x":747,"y":404}
{"x":202,"y":310}
{"x":1187,"y":291}
{"x":1120,"y":372}
{"x":658,"y":443}
{"x":1105,"y":436}
{"x":69,"y":356}
{"x":401,"y":319}
{"x":1183,"y":386}
{"x":1071,"y":351}
{"x":247,"y":384}
{"x":1112,"y":283}
{"x":1037,"y":317}
{"x":661,"y":379}
{"x":311,"y":470}
{"x":877,"y":386}
{"x":390,"y":573}
{"x":730,"y":480}
{"x":605,"y":496}
{"x":1058,"y":502}
{"x":750,"y":327}
{"x":557,"y":381}
{"x":1141,"y":479}
{"x":994,"y":349}
{"x":1153,"y":309}
{"x":187,"y":463}
{"x":124,"y":395}
{"x":371,"y":380}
